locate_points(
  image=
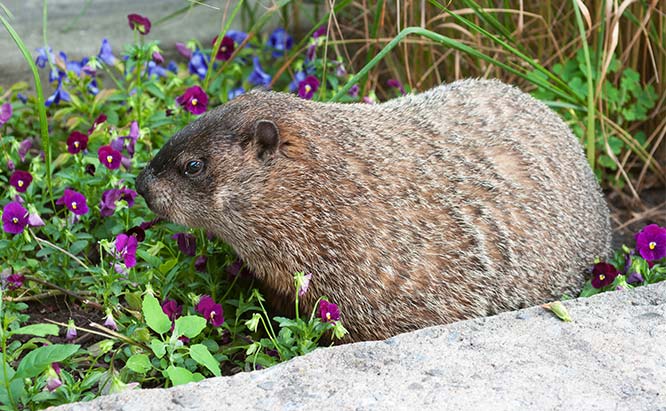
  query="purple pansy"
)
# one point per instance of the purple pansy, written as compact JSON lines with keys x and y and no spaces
{"x":321,"y":31}
{"x":238,"y":268}
{"x":233,"y":93}
{"x":307,"y":87}
{"x":226,"y":48}
{"x":139,"y":22}
{"x":353,"y":91}
{"x":198,"y":64}
{"x":71,"y":331}
{"x":14,"y":218}
{"x":280,"y":41}
{"x":99,"y":120}
{"x":15,"y":281}
{"x":603,"y":274}
{"x":74,"y":201}
{"x":109,"y":198}
{"x":210,"y":310}
{"x":200,"y":263}
{"x":635,"y":277}
{"x":187,"y":243}
{"x":109,"y":157}
{"x":651,"y":242}
{"x":24,"y":147}
{"x":109,"y":321}
{"x":126,"y":249}
{"x":20,"y":180}
{"x":328,"y":312}
{"x":396,"y":84}
{"x":35,"y":220}
{"x":106,"y":53}
{"x":5,"y":113}
{"x":305,"y":284}
{"x":77,"y":142}
{"x":194,"y":100}
{"x":259,"y":77}
{"x":310,"y":53}
{"x":184,"y":50}
{"x":172,"y":309}
{"x":157,"y":57}
{"x":53,"y":379}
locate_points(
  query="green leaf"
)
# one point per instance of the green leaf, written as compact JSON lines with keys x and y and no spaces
{"x":158,"y":347}
{"x":154,"y":316}
{"x":190,"y":326}
{"x":607,"y":162}
{"x":559,"y":310}
{"x":139,"y":363}
{"x":40,"y":330}
{"x":38,"y":360}
{"x":180,"y":375}
{"x":200,"y":354}
{"x":588,"y":290}
{"x":168,"y":265}
{"x":77,"y":246}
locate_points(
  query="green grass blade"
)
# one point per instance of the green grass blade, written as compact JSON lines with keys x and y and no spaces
{"x":589,"y":132}
{"x":448,"y":42}
{"x":41,"y":108}
{"x":218,"y":42}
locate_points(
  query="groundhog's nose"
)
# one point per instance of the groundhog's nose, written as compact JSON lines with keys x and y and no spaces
{"x":143,"y":181}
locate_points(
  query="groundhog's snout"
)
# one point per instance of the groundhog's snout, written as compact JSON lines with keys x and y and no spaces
{"x":143,"y":182}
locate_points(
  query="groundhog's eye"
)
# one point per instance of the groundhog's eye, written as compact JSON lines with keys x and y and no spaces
{"x":193,"y":167}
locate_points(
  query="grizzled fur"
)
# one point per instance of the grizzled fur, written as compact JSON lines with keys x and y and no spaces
{"x":467,"y":200}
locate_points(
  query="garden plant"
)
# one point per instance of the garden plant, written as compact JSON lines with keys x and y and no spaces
{"x":159,"y":305}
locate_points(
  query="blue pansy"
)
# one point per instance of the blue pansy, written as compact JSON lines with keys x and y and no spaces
{"x":105,"y":53}
{"x":73,"y":65}
{"x":22,"y":97}
{"x":58,"y":94}
{"x":259,"y":77}
{"x":235,"y":92}
{"x":280,"y":41}
{"x":155,"y":69}
{"x":237,"y":36}
{"x":173,"y":67}
{"x":45,"y":56}
{"x":198,"y":64}
{"x":298,"y":77}
{"x":93,"y":88}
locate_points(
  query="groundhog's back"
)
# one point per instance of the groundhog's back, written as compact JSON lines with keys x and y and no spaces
{"x":466,"y":200}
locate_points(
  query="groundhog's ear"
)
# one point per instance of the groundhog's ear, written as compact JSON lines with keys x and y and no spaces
{"x":267,"y":137}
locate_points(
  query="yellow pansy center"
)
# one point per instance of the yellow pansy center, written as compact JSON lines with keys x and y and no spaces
{"x":602,"y":277}
{"x":15,"y":220}
{"x":652,"y":245}
{"x":328,"y":316}
{"x":76,"y":144}
{"x":308,"y":88}
{"x":195,"y":101}
{"x":223,"y":49}
{"x":20,"y":183}
{"x":109,"y":159}
{"x":74,"y":205}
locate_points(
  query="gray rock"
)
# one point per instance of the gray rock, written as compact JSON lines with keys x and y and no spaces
{"x":612,"y":356}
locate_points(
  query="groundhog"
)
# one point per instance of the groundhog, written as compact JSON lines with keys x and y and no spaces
{"x":467,"y":200}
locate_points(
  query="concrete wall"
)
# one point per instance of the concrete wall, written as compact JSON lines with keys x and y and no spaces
{"x":102,"y":18}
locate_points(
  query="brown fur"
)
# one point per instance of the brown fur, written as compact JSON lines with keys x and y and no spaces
{"x":467,"y":200}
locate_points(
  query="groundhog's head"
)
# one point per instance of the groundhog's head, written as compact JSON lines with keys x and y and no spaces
{"x":217,"y":166}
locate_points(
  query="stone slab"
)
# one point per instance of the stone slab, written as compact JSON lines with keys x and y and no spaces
{"x":611,"y":357}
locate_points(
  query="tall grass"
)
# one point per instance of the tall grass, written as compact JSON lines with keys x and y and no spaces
{"x":424,"y":43}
